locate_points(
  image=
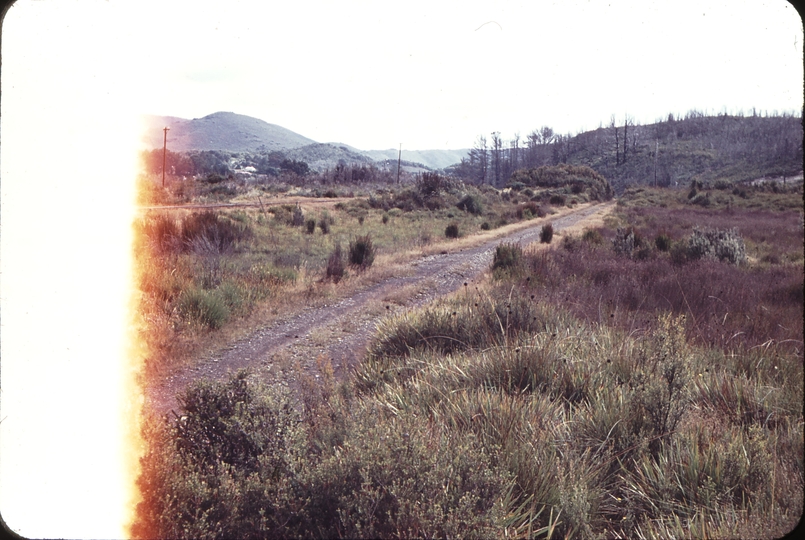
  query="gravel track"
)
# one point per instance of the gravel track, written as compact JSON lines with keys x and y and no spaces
{"x":341,"y":330}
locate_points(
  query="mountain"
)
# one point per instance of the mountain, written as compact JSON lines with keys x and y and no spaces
{"x":220,"y":131}
{"x":435,"y":159}
{"x":240,"y":133}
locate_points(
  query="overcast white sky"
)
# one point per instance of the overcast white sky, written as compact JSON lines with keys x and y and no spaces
{"x":427,"y":74}
{"x":424,"y":73}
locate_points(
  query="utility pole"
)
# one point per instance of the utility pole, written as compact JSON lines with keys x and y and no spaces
{"x":164,"y":154}
{"x":399,"y":160}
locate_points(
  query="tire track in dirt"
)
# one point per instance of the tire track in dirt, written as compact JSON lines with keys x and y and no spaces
{"x":341,"y":330}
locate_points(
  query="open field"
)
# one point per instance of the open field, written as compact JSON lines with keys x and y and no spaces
{"x":639,"y":376}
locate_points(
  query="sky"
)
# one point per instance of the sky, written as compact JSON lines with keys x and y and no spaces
{"x":77,"y":74}
{"x":424,"y":74}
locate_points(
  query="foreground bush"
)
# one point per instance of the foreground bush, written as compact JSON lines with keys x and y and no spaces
{"x":240,"y":462}
{"x":566,"y":430}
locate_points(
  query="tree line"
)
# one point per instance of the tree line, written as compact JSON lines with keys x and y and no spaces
{"x":670,"y":151}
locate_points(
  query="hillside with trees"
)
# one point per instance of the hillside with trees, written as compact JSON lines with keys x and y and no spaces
{"x":671,"y":152}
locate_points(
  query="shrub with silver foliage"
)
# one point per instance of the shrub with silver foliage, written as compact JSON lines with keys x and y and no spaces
{"x":624,"y":242}
{"x":717,"y":244}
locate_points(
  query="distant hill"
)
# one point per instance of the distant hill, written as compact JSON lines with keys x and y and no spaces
{"x":320,"y":156}
{"x":220,"y":131}
{"x":435,"y":159}
{"x":227,"y":131}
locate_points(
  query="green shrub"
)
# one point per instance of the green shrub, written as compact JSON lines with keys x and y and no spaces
{"x":546,"y":234}
{"x":571,"y":243}
{"x":451,"y":231}
{"x":226,"y":468}
{"x":471,"y":204}
{"x":508,"y":256}
{"x":663,"y":242}
{"x":385,"y":219}
{"x":702,"y":199}
{"x":324,"y":225}
{"x":298,"y":217}
{"x":361,"y":252}
{"x":485,"y":226}
{"x":209,"y":232}
{"x":724,"y":245}
{"x":431,"y":184}
{"x":529,"y":210}
{"x":163,"y":233}
{"x":311,"y":225}
{"x":592,"y":236}
{"x":557,"y":200}
{"x":624,"y":241}
{"x":205,"y":307}
{"x":335,"y":264}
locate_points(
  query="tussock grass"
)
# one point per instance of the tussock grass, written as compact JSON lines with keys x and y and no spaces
{"x":587,"y":395}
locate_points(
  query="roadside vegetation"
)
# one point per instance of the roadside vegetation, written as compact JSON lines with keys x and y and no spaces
{"x":641,"y":379}
{"x":209,"y":275}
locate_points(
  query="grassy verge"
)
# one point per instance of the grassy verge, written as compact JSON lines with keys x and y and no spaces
{"x":568,"y":395}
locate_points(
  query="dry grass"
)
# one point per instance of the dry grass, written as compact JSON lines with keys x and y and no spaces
{"x":225,"y":283}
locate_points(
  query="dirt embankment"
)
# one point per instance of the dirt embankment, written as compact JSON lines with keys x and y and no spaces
{"x":341,"y":330}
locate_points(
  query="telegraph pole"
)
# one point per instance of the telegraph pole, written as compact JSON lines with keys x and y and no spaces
{"x":164,"y":154}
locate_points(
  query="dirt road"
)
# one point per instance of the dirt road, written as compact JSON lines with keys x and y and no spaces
{"x":340,"y":331}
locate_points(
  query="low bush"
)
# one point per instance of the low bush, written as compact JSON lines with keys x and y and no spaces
{"x":163,"y":233}
{"x":485,"y":226}
{"x":361,"y":252}
{"x":211,"y":233}
{"x":324,"y":225}
{"x":557,"y":200}
{"x":310,"y":224}
{"x":451,"y":231}
{"x":335,"y":264}
{"x":529,"y":210}
{"x":592,"y":236}
{"x":471,"y":204}
{"x":508,"y":256}
{"x":204,"y":307}
{"x":546,"y":234}
{"x":298,"y":217}
{"x":624,"y":241}
{"x":724,"y":245}
{"x":662,"y":242}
